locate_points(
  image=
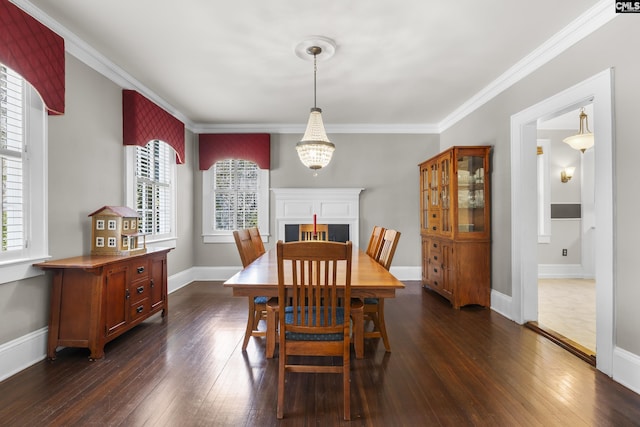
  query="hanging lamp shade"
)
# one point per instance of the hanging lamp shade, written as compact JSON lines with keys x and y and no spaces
{"x":314,"y":149}
{"x":583,"y":140}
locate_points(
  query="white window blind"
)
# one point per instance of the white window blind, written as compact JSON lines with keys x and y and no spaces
{"x":153,"y":187}
{"x":235,"y":188}
{"x":12,"y":147}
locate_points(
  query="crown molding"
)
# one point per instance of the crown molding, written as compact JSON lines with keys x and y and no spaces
{"x":598,"y":15}
{"x":594,"y":18}
{"x":300,"y":128}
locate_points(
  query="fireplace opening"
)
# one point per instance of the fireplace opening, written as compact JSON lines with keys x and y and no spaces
{"x":337,"y":232}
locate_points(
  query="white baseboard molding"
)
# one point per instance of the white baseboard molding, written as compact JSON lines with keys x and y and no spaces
{"x":22,"y":352}
{"x":501,"y":303}
{"x":561,"y":271}
{"x":626,"y":369}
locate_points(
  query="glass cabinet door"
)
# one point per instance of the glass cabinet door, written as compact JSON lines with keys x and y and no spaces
{"x":445,"y":195}
{"x":471,"y":192}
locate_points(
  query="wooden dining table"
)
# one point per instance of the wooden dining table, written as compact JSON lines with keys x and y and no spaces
{"x":368,"y":280}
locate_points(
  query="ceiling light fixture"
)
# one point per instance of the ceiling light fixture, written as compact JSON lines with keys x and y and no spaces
{"x":315,"y":150}
{"x":583,"y":140}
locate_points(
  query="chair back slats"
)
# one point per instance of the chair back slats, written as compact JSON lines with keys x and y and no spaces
{"x":315,"y":280}
{"x":258,"y":246}
{"x":375,"y":241}
{"x":245,"y":246}
{"x":306,"y":232}
{"x":388,"y":247}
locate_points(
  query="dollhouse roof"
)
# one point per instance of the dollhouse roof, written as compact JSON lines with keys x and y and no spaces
{"x":121,"y":211}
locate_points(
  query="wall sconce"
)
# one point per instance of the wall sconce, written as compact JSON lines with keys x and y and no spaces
{"x":566,"y":174}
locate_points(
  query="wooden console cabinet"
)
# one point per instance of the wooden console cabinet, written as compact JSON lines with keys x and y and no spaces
{"x":96,"y":298}
{"x":455,"y":225}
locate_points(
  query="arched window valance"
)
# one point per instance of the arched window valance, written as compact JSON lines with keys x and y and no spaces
{"x":143,"y":121}
{"x":35,"y":52}
{"x":246,"y":146}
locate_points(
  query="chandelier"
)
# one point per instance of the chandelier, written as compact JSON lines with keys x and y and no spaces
{"x":315,"y":149}
{"x":583,"y":140}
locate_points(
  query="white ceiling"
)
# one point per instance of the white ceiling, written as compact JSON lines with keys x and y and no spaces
{"x":401,"y":64}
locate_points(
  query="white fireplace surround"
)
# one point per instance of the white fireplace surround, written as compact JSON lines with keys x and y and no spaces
{"x":331,"y":205}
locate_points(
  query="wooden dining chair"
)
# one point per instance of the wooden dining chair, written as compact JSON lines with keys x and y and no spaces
{"x":257,"y":305}
{"x":306,"y":232}
{"x":256,"y":239}
{"x":375,"y":241}
{"x":312,"y":276}
{"x":374,"y":307}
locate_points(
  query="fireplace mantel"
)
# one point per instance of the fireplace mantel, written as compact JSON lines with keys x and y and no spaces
{"x":330,"y":205}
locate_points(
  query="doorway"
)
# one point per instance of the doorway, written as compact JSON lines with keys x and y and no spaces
{"x":598,"y":90}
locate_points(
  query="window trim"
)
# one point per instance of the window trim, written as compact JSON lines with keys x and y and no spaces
{"x":226,"y":236}
{"x":36,"y":196}
{"x":167,"y":240}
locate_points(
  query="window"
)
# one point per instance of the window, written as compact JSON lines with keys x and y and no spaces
{"x":235,"y":195}
{"x":23,"y":169}
{"x":151,"y":189}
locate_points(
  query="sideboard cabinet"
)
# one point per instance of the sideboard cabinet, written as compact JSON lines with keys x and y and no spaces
{"x":455,"y":225}
{"x":96,"y":298}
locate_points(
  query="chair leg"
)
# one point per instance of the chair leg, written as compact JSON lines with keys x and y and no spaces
{"x":357,"y":315}
{"x":382,"y":325}
{"x":281,"y":373}
{"x":250,"y":323}
{"x":271,"y":331}
{"x":346,"y":383}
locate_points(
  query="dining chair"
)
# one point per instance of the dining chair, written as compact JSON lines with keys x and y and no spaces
{"x":306,"y":232}
{"x":257,"y":305}
{"x":256,"y":239}
{"x":374,"y":307}
{"x":311,"y":275}
{"x":375,"y":241}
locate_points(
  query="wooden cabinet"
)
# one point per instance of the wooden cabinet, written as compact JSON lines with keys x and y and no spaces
{"x":455,"y":225}
{"x":96,"y":298}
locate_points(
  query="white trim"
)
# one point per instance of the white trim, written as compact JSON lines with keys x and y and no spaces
{"x":561,"y":271}
{"x":501,"y":303}
{"x":22,"y":352}
{"x":597,"y":89}
{"x":626,"y":369}
{"x":585,"y":24}
{"x":595,"y":17}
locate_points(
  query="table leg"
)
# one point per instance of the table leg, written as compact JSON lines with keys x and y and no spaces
{"x":357,"y":315}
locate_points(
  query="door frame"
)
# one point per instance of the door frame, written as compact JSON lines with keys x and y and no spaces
{"x":599,"y":90}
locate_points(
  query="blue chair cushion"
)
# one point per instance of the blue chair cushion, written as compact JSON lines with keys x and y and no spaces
{"x":295,"y":336}
{"x":371,"y":301}
{"x":260,"y":300}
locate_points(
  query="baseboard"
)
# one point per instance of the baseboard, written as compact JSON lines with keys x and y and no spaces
{"x":501,"y":303}
{"x":561,"y":271}
{"x":22,"y":352}
{"x":626,"y":369}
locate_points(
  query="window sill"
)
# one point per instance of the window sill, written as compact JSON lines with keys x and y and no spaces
{"x":15,"y":270}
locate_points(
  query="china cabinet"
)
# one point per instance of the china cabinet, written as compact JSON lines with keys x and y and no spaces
{"x":455,"y":225}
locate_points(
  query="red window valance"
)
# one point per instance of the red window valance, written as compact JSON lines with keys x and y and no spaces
{"x":144,"y":121}
{"x":35,"y":52}
{"x":246,"y":146}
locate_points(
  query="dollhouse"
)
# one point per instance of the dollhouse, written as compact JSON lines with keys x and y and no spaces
{"x":114,"y":231}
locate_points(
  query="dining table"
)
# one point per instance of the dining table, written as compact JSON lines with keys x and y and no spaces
{"x":368,"y":280}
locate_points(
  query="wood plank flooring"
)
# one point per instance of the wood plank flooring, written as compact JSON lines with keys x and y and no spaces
{"x":447,"y":368}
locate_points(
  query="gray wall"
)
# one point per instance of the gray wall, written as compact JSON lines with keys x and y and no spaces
{"x":608,"y":47}
{"x":386,"y":166}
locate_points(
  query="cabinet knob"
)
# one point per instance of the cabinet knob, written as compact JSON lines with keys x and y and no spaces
{"x":140,"y":309}
{"x":151,"y":283}
{"x":140,"y":270}
{"x":435,"y":257}
{"x":140,"y":289}
{"x":126,"y":295}
{"x":435,"y":270}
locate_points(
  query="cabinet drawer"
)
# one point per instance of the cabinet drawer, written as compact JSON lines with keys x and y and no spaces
{"x":434,"y":223}
{"x":139,"y":290}
{"x":139,"y":309}
{"x":139,"y":269}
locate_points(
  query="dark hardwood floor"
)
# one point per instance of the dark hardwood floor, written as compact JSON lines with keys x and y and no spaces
{"x":448,"y":367}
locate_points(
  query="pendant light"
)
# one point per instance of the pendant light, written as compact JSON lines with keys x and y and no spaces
{"x":583,"y":140}
{"x":315,"y":149}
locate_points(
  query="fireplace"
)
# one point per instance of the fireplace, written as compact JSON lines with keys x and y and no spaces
{"x":337,"y":207}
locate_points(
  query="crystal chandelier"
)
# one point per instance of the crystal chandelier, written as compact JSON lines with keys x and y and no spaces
{"x":315,"y":149}
{"x":583,"y":140}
